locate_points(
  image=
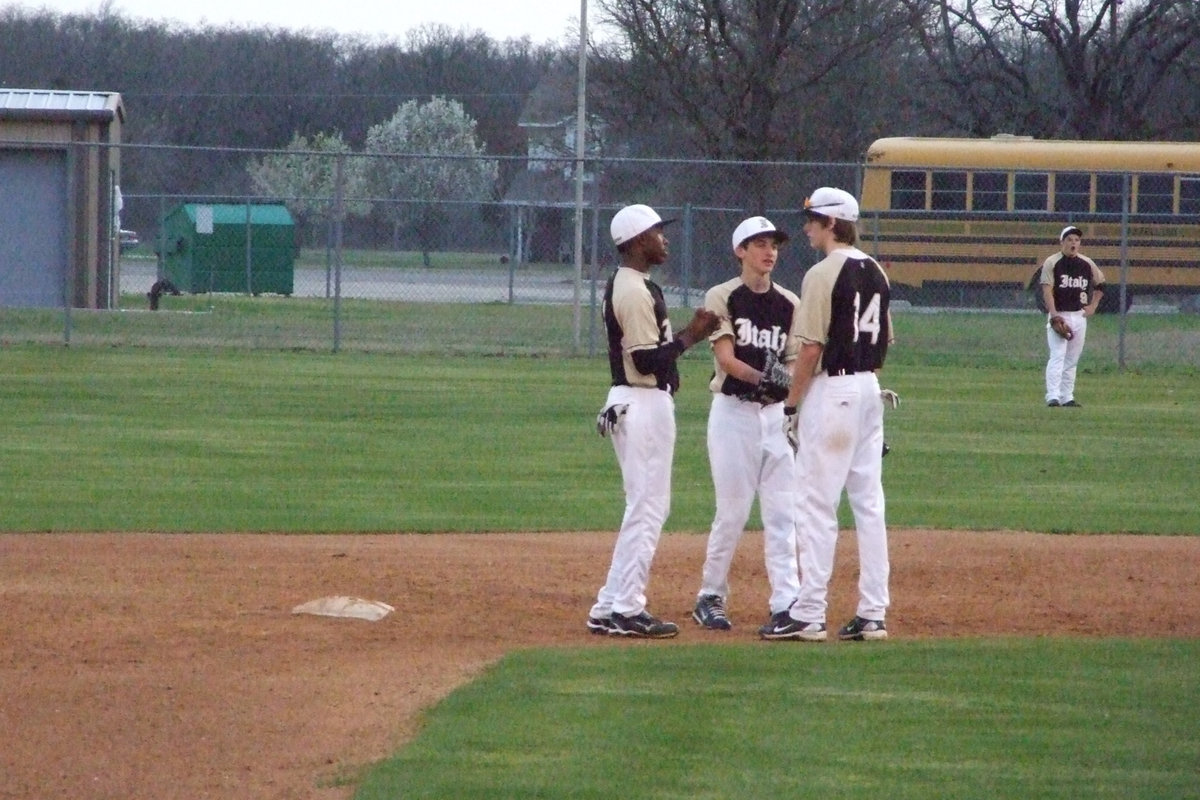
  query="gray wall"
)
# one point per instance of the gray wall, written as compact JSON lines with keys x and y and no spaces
{"x":33,"y":222}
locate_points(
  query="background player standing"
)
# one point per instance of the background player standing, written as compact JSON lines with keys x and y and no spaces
{"x":748,"y":449}
{"x":845,"y":328}
{"x":639,"y":415}
{"x":1072,"y":286}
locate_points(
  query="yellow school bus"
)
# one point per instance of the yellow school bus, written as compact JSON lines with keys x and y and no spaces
{"x":982,"y":214}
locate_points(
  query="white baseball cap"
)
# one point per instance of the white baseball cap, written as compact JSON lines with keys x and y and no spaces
{"x":756,"y":226}
{"x":1067,"y":231}
{"x":830,"y":202}
{"x":633,"y":220}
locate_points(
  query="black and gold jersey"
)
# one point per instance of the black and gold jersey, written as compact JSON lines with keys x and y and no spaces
{"x":635,"y":319}
{"x":845,"y":306}
{"x":757,"y":322}
{"x":1073,"y":280}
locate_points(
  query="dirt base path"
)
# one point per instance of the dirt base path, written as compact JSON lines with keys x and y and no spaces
{"x":170,"y":666}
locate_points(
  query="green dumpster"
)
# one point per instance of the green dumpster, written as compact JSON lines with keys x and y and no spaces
{"x":211,"y":247}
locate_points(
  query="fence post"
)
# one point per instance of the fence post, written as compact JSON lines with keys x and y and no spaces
{"x":339,"y":175}
{"x":595,"y":273}
{"x":686,"y":263}
{"x":249,"y":272}
{"x":512,"y":280}
{"x":72,"y":237}
{"x":1125,"y":180}
{"x":160,"y":268}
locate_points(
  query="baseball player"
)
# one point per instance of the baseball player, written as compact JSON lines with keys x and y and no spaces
{"x":748,"y":449}
{"x":639,"y":417}
{"x":845,"y":328}
{"x":1072,"y":286}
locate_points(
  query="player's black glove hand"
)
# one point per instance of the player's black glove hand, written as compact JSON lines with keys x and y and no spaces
{"x":609,"y":418}
{"x":776,"y":377}
{"x":791,"y":427}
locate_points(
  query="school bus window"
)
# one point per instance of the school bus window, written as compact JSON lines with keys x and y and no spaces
{"x":1155,"y":194}
{"x":949,"y":191}
{"x":1189,"y":196}
{"x":1029,"y":191}
{"x":989,"y":191}
{"x":1072,"y":192}
{"x":908,"y":190}
{"x":1109,"y":188}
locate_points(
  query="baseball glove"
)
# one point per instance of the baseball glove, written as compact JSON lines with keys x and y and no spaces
{"x":774,"y":384}
{"x":609,"y":418}
{"x":776,"y":379}
{"x":1060,"y":326}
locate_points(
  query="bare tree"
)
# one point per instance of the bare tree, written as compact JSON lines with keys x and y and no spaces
{"x":735,"y":74}
{"x":1088,"y":69}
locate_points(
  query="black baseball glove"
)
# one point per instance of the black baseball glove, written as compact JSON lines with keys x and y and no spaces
{"x":609,"y":418}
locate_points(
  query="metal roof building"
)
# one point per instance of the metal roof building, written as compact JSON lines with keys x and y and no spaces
{"x":42,"y":104}
{"x":59,"y":198}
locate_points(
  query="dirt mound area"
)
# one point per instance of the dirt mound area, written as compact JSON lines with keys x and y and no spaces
{"x":171,"y":666}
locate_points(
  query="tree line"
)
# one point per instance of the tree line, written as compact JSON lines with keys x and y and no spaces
{"x":739,"y":80}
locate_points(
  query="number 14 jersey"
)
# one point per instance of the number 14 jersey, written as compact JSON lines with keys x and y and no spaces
{"x":844,"y":305}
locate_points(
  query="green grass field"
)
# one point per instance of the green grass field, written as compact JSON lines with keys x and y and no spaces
{"x":1139,"y":343}
{"x":230,"y":439}
{"x":227,"y":440}
{"x":1006,"y":718}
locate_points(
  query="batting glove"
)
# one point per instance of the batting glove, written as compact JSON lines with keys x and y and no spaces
{"x":609,"y":418}
{"x":791,"y":427}
{"x":889,"y":398}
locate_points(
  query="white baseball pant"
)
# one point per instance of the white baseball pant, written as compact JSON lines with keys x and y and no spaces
{"x":841,"y":447}
{"x":644,"y":442}
{"x":1064,"y":357}
{"x":749,"y":455}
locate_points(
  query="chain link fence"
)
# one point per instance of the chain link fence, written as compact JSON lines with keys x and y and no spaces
{"x":496,"y":274}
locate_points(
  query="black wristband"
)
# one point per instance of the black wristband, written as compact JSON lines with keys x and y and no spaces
{"x":789,"y":410}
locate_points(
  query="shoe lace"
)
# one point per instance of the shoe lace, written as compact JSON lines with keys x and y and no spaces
{"x":714,"y":608}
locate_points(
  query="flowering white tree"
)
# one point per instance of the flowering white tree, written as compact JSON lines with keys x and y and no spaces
{"x":428,"y":157}
{"x":304,"y":178}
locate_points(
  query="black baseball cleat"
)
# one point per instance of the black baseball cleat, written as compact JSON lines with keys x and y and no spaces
{"x":1053,"y":404}
{"x":1071,"y":404}
{"x":782,"y":626}
{"x":710,"y":613}
{"x":859,"y":629}
{"x":642,"y":626}
{"x":599,"y":626}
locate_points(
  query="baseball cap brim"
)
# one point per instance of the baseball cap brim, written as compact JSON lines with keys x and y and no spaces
{"x":776,"y":234}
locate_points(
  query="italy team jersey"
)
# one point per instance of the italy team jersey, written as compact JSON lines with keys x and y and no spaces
{"x":635,"y":318}
{"x":757,"y":322}
{"x":1073,"y":279}
{"x":844,"y":305}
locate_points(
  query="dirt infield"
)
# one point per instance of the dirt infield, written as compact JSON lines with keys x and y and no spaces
{"x":170,"y":666}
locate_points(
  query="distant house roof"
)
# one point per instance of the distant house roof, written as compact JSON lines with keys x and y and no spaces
{"x":50,"y":105}
{"x":552,"y":100}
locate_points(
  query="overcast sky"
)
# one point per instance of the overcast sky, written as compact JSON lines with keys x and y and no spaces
{"x":540,"y":20}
